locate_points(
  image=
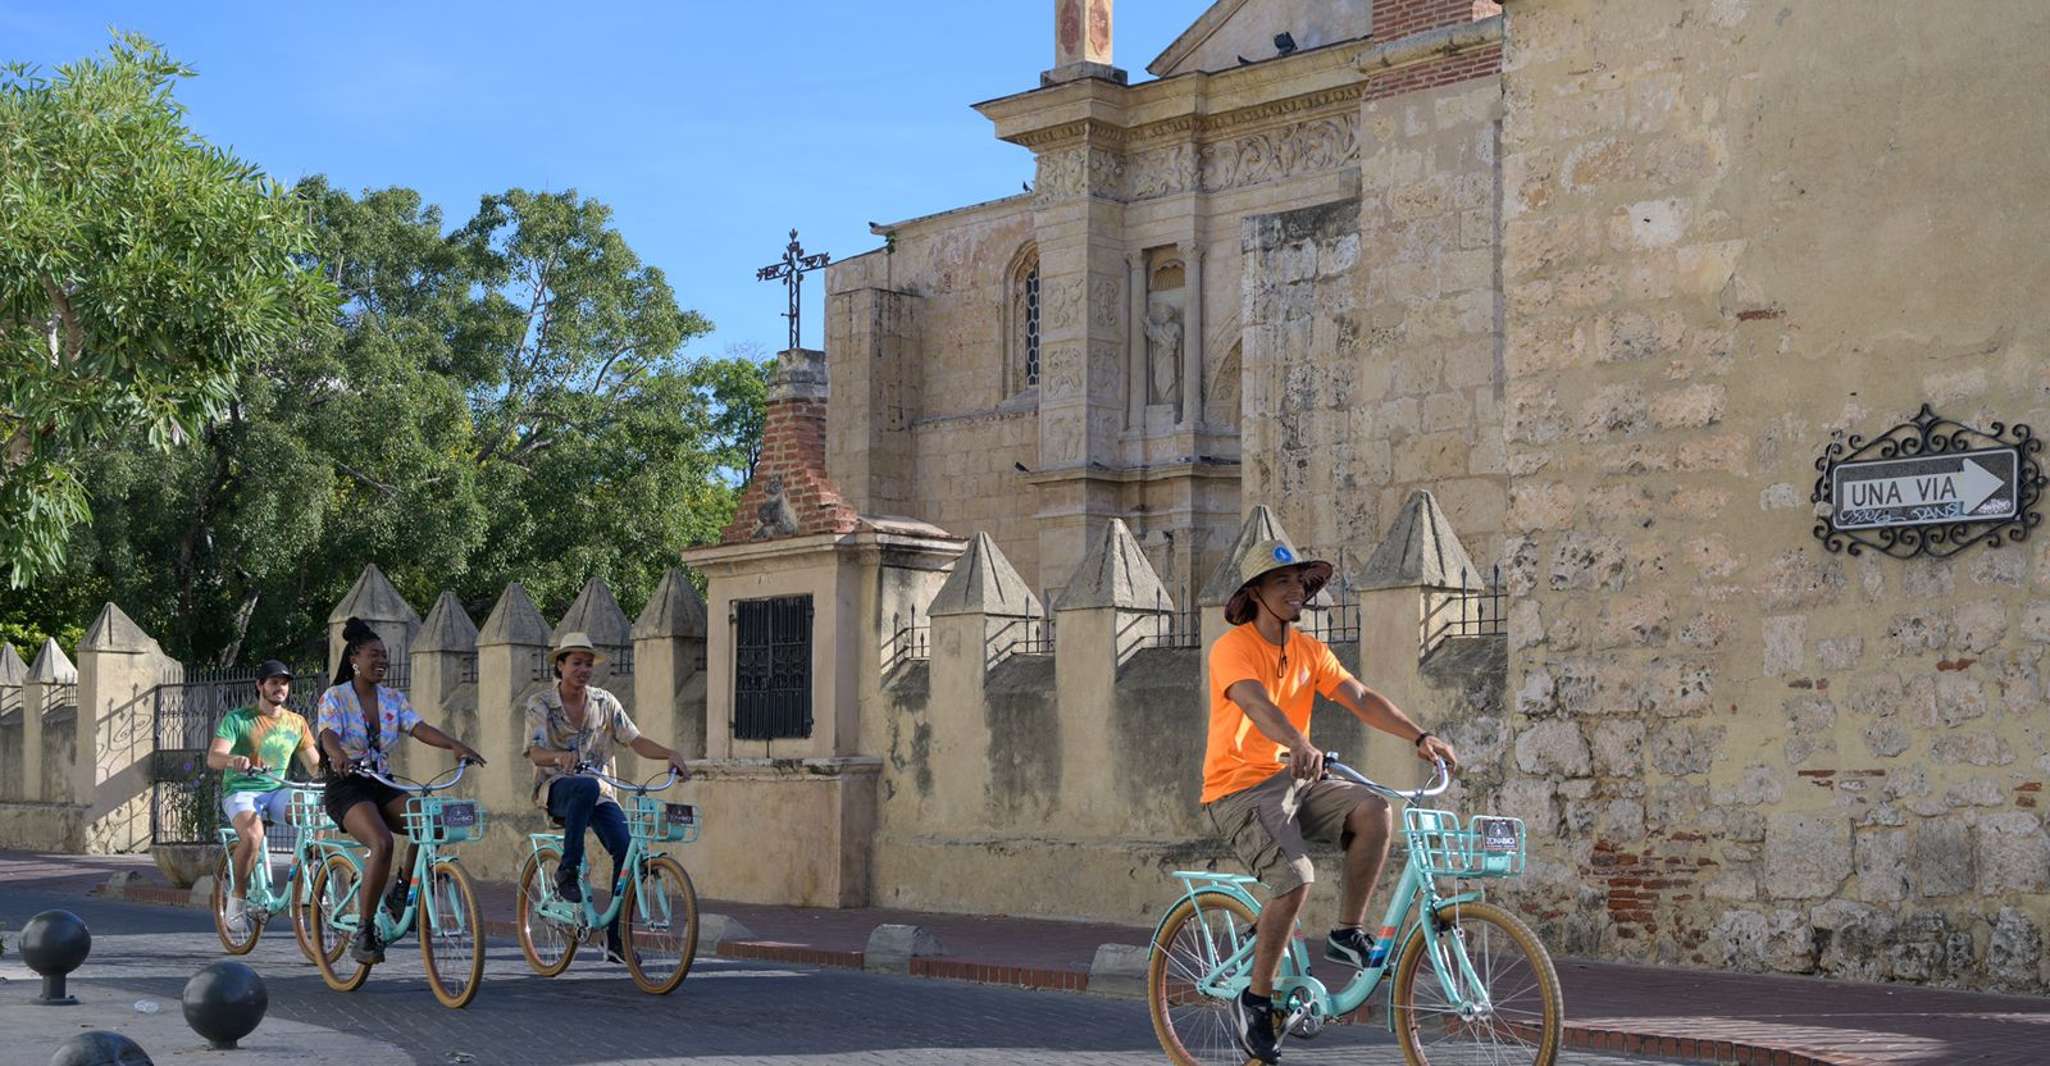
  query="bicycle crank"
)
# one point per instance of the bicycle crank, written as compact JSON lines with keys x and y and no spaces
{"x":1305,"y":1017}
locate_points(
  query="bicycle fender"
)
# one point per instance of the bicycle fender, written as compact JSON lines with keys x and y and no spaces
{"x":1212,"y":890}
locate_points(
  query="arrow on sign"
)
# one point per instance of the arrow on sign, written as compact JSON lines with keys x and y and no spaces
{"x":1970,"y":485}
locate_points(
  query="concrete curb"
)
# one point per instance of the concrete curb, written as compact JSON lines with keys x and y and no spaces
{"x":892,"y":947}
{"x":1577,"y":1037}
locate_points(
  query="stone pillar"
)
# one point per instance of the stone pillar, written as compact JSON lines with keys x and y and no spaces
{"x":1110,"y":604}
{"x":14,"y":781}
{"x":1135,"y":341}
{"x":983,"y":607}
{"x":444,"y":663}
{"x":117,"y":673}
{"x":1191,"y":411}
{"x":41,"y":693}
{"x":1420,"y":553}
{"x":875,"y":363}
{"x":1081,"y":42}
{"x":512,"y":654}
{"x":373,"y":599}
{"x":669,"y":665}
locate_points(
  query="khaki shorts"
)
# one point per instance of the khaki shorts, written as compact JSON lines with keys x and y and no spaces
{"x":1268,"y":825}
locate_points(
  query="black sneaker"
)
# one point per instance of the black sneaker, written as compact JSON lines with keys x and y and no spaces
{"x":395,"y":898}
{"x":568,"y":886}
{"x":1348,"y":946}
{"x":1253,"y":1024}
{"x":614,"y":951}
{"x":367,"y":949}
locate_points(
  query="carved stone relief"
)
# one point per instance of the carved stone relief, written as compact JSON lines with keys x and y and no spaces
{"x":1106,"y":307}
{"x":1060,"y":305}
{"x":1060,"y":373}
{"x":1299,"y":148}
{"x":1077,"y":171}
{"x":1164,"y":171}
{"x":1164,"y":351}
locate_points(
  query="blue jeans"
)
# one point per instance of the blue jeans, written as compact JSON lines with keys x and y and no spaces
{"x":574,"y":800}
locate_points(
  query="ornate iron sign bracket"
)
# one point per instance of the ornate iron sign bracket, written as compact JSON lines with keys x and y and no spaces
{"x":1929,"y":486}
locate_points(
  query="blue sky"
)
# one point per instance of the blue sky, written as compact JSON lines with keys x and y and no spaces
{"x":710,"y":128}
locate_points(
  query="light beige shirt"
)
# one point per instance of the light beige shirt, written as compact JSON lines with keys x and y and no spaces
{"x":549,"y":728}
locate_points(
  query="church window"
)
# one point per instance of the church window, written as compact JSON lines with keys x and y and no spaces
{"x":1021,"y":322}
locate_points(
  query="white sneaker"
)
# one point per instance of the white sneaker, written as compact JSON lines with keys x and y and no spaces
{"x":238,"y":915}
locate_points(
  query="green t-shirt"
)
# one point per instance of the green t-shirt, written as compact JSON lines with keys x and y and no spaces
{"x":267,"y":741}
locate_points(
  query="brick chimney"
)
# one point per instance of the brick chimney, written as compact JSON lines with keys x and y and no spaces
{"x":790,"y":494}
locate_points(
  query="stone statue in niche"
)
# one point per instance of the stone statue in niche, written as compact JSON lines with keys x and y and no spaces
{"x":775,"y":517}
{"x":1164,"y":352}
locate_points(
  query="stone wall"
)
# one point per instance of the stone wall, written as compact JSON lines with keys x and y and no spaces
{"x":1731,"y":230}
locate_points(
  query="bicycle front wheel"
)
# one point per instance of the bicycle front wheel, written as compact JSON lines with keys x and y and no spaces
{"x":239,"y":937}
{"x":1195,"y":1029}
{"x":451,"y":935}
{"x":658,"y":925}
{"x":549,"y":945}
{"x":1489,"y":957}
{"x":332,"y":919}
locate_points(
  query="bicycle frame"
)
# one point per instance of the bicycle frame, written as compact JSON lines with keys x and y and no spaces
{"x":346,"y":917}
{"x":260,"y":893}
{"x":1413,"y":910}
{"x":639,"y":852}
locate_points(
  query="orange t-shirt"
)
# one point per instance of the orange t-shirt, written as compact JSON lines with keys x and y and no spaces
{"x":1239,"y":756}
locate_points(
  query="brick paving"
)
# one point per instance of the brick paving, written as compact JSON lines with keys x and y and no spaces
{"x":1653,"y":1011}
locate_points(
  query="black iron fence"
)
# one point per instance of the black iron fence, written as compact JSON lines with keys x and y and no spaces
{"x":185,"y":796}
{"x":1472,"y":610}
{"x":910,"y":641}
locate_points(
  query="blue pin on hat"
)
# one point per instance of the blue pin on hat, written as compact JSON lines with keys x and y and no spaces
{"x":1282,"y":554}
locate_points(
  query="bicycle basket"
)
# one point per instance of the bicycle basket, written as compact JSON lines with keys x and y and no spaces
{"x":651,"y":819}
{"x":439,"y":820}
{"x":305,"y":812}
{"x":1487,"y":846}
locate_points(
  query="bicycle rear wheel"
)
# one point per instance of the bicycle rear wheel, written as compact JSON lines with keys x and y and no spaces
{"x":1486,"y":950}
{"x":550,"y":946}
{"x":660,"y":944}
{"x":334,"y":917}
{"x":1195,"y":1029}
{"x":451,"y":935}
{"x":238,"y":938}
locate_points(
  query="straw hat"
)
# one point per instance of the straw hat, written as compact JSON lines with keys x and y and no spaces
{"x":576,"y":640}
{"x":1265,"y":558}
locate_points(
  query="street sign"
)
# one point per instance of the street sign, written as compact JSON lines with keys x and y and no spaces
{"x":1971,"y":486}
{"x":1930,"y":486}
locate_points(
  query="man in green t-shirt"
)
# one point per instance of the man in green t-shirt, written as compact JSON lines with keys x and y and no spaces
{"x":251,"y":748}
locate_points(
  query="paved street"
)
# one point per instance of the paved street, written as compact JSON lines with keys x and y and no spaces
{"x":727,"y":1012}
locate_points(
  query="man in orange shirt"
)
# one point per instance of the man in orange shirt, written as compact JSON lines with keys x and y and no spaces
{"x":1263,"y":784}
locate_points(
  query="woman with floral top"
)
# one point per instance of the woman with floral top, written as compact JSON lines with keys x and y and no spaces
{"x":365,"y":808}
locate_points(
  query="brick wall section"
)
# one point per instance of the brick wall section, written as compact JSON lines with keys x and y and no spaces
{"x":1395,"y":19}
{"x":1479,"y":63}
{"x":794,"y":449}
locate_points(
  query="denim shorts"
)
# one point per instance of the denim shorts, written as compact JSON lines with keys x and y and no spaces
{"x":272,"y":804}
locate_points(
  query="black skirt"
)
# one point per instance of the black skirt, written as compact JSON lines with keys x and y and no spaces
{"x":346,"y":792}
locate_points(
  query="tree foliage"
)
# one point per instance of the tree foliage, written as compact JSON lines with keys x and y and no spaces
{"x":140,"y":269}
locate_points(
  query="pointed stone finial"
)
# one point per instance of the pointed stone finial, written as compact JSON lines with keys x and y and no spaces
{"x":448,"y":627}
{"x":12,"y":670}
{"x":1115,"y":573}
{"x":1420,"y":550}
{"x":1259,"y":527}
{"x":373,"y":599}
{"x":596,"y":614}
{"x":675,"y":610}
{"x":984,"y":582}
{"x":52,"y":666}
{"x":114,"y":631}
{"x":515,"y":620}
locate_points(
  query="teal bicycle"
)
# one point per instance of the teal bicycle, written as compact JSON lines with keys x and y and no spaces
{"x":654,"y":900}
{"x":1471,"y":982}
{"x":440,"y":900}
{"x":266,"y":898}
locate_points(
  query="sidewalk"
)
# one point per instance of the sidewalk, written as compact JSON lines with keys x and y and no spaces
{"x":1657,"y":1011}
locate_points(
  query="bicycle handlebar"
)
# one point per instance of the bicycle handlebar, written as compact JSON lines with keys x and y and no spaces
{"x":436,"y":785}
{"x":1441,"y":779}
{"x":275,"y":780}
{"x":642,"y":789}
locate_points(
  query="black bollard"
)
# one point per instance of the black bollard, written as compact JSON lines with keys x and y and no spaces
{"x":224,"y":1003}
{"x":53,"y":944}
{"x":98,"y":1047}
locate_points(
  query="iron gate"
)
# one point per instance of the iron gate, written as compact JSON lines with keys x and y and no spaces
{"x":772,"y":669}
{"x":185,"y":796}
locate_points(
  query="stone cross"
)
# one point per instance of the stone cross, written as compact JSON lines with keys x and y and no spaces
{"x":790,"y":271}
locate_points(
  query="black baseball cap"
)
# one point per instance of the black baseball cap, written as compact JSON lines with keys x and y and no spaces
{"x":272,"y":668}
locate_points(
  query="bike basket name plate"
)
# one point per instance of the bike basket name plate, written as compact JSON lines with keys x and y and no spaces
{"x":681,"y":813}
{"x":1498,"y":834}
{"x":459,"y":815}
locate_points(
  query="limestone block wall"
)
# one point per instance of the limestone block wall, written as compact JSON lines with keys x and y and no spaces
{"x":1729,"y":233}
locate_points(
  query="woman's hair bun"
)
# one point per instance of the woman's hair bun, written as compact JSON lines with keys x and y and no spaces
{"x":356,"y":630}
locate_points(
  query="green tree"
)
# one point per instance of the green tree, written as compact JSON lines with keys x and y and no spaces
{"x":140,"y":268}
